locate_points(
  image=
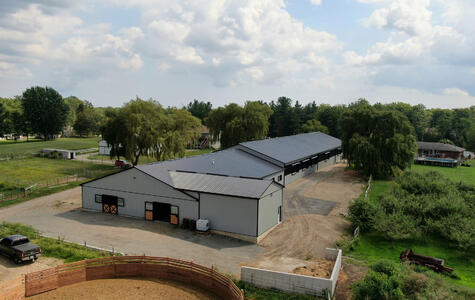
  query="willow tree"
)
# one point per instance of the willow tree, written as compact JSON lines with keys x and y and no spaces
{"x":378,"y":142}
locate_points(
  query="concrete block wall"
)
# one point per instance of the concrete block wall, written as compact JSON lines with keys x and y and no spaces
{"x":294,"y":283}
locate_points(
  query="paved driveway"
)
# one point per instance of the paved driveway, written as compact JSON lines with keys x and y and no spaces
{"x":60,"y":215}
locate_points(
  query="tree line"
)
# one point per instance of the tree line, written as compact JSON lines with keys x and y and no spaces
{"x":377,"y":139}
{"x":43,"y":112}
{"x":288,"y":117}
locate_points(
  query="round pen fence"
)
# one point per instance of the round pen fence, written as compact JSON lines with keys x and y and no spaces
{"x":128,"y":266}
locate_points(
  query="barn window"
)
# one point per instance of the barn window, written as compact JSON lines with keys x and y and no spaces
{"x":280,"y":178}
{"x":174,"y":210}
{"x":98,"y":199}
{"x":120,"y":202}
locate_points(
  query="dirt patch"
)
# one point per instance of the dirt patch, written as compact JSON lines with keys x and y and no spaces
{"x":10,"y":270}
{"x":349,"y":274}
{"x":320,"y":268}
{"x":304,"y":234}
{"x":128,"y":288}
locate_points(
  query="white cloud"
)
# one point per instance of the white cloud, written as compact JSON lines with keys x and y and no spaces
{"x":455,"y":92}
{"x":316,"y":2}
{"x":234,"y":42}
{"x":409,"y":16}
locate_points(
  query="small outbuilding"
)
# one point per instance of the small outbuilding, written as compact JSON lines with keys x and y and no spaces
{"x":66,"y":154}
{"x":104,"y":148}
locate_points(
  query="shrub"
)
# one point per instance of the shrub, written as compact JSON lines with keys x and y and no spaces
{"x":377,"y":286}
{"x":362,"y":213}
{"x":422,"y":204}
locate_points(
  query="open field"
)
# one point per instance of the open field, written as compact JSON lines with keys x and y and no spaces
{"x":25,"y":148}
{"x":20,"y":173}
{"x":148,"y":159}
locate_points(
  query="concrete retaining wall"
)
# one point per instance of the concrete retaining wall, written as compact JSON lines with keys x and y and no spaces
{"x":294,"y":283}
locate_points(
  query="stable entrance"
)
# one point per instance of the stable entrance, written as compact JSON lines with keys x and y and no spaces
{"x":161,"y":211}
{"x":109,"y":204}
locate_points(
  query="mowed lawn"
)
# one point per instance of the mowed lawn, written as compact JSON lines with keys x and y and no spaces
{"x":372,"y":246}
{"x":23,"y":147}
{"x":19,"y":173}
{"x":148,"y":159}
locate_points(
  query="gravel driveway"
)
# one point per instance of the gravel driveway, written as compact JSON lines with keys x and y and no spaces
{"x":60,"y":215}
{"x":311,"y":213}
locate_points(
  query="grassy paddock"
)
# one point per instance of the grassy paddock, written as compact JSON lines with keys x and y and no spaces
{"x":25,"y":148}
{"x":148,"y":159}
{"x":457,"y":174}
{"x":20,"y":173}
{"x":52,"y":247}
{"x":372,"y":246}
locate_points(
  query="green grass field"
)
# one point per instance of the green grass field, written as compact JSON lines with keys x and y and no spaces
{"x":147,"y":159}
{"x":20,"y":173}
{"x":52,"y":247}
{"x":25,"y":148}
{"x":372,"y":246}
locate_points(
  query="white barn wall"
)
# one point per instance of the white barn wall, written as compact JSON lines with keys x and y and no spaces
{"x":230,"y":214}
{"x":137,"y":188}
{"x":135,"y":203}
{"x":268,"y":209}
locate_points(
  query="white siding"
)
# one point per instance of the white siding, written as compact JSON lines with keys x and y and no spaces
{"x":268,"y":209}
{"x":137,"y":188}
{"x":230,"y":214}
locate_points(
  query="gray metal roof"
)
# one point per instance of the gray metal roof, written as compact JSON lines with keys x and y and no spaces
{"x":216,"y":184}
{"x":230,"y":162}
{"x":292,"y":148}
{"x":439,"y":147}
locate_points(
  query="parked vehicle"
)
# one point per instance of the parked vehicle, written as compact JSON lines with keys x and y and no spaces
{"x":19,"y":248}
{"x":122,"y":163}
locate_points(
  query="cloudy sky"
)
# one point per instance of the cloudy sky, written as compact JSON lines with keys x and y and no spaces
{"x":330,"y":51}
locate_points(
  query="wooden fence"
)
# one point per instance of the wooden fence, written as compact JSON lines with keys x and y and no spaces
{"x":130,"y":266}
{"x":80,"y":175}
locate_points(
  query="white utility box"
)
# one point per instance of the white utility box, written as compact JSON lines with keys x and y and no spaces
{"x":202,"y":225}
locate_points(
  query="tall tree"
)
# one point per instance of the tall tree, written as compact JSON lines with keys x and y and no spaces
{"x":285,"y":119}
{"x":314,"y":125}
{"x":234,"y":124}
{"x":330,"y":117}
{"x":378,"y":142}
{"x":45,"y":110}
{"x":114,"y":132}
{"x":199,"y":109}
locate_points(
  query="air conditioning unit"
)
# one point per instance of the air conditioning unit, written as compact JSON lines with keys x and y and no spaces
{"x":202,"y":225}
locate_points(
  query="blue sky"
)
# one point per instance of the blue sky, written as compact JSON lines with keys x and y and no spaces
{"x":329,"y":51}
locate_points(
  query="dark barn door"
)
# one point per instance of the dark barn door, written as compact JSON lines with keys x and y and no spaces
{"x":109,"y":204}
{"x":161,"y":211}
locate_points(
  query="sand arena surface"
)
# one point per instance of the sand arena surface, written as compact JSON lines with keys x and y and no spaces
{"x":128,"y":288}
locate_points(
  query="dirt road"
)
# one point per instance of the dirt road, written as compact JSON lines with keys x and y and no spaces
{"x":9,"y":270}
{"x":308,"y":228}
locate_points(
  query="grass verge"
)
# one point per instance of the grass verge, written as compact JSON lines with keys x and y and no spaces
{"x":255,"y":293}
{"x":52,"y":247}
{"x":457,"y":174}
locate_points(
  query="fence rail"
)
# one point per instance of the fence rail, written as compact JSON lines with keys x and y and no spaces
{"x":123,"y":266}
{"x":80,"y":175}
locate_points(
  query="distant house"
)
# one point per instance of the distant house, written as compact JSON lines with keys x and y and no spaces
{"x":439,"y":150}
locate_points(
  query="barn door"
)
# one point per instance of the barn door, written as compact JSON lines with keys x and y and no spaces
{"x":109,"y":204}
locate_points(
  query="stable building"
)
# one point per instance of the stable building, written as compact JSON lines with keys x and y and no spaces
{"x":239,"y":190}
